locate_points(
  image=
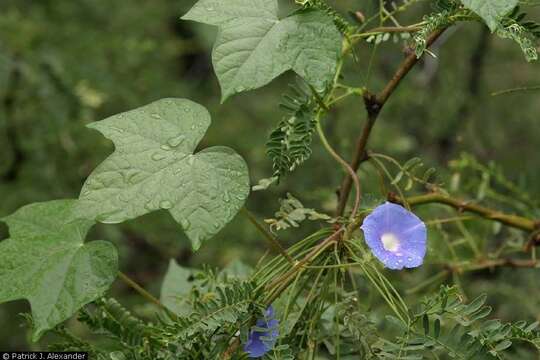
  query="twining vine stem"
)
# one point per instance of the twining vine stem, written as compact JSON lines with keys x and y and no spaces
{"x":374,"y":105}
{"x":347,"y":167}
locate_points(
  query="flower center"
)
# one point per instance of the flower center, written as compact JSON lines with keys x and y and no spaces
{"x":390,"y":242}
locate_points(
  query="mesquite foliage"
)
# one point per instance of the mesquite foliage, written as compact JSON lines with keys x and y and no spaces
{"x":332,"y":291}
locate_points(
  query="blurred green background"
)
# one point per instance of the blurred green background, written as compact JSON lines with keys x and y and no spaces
{"x":66,"y":63}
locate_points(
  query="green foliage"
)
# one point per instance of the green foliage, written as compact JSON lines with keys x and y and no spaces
{"x":292,"y":212}
{"x":177,"y":284}
{"x":154,"y":168}
{"x":289,"y":144}
{"x":444,"y":324}
{"x":254,"y":46}
{"x":517,"y":16}
{"x":522,"y":36}
{"x":412,"y":172}
{"x":343,"y":25}
{"x":433,"y":22}
{"x":331,"y":297}
{"x":380,"y":38}
{"x":215,"y":315}
{"x":491,"y":11}
{"x":215,"y":310}
{"x":58,"y":273}
{"x":111,"y":319}
{"x":488,"y":181}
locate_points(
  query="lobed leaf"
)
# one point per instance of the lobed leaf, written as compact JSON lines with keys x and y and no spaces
{"x":254,"y":46}
{"x":47,"y":262}
{"x":153,"y":168}
{"x":491,"y":11}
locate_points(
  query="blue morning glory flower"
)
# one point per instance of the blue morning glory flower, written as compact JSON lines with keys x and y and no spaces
{"x":396,"y":236}
{"x":260,"y":342}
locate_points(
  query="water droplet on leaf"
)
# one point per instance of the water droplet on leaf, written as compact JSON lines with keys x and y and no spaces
{"x":158,"y":156}
{"x":185,"y":223}
{"x":176,"y":141}
{"x":148,"y":206}
{"x":165,"y":204}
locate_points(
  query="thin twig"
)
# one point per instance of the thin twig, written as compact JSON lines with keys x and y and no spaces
{"x":491,"y":264}
{"x":518,"y":89}
{"x":267,"y":235}
{"x":131,"y":283}
{"x":284,"y":279}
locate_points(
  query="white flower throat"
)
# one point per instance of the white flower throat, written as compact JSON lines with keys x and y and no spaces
{"x":390,"y":242}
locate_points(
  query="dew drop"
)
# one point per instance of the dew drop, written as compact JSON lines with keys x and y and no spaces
{"x":226,"y":196}
{"x":191,"y":159}
{"x":94,"y":185}
{"x":185,"y":224}
{"x":131,"y":178}
{"x":165,"y":204}
{"x":176,"y":141}
{"x":109,"y":217}
{"x":165,"y":147}
{"x":118,"y":130}
{"x":124,"y":197}
{"x":158,"y":156}
{"x":156,"y":116}
{"x":148,"y":206}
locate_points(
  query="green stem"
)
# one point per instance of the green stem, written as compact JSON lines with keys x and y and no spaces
{"x":340,"y":160}
{"x":267,"y":235}
{"x":145,"y":294}
{"x":518,"y":89}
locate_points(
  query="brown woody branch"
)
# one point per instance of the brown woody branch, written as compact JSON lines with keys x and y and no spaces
{"x":496,"y":263}
{"x":374,"y":105}
{"x":515,"y":221}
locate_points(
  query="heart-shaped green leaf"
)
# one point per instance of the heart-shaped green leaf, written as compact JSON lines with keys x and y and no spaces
{"x":491,"y":11}
{"x":153,"y":167}
{"x":47,"y":262}
{"x":254,"y":46}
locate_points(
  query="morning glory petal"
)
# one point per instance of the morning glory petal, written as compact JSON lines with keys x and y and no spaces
{"x":396,"y":236}
{"x":261,"y":342}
